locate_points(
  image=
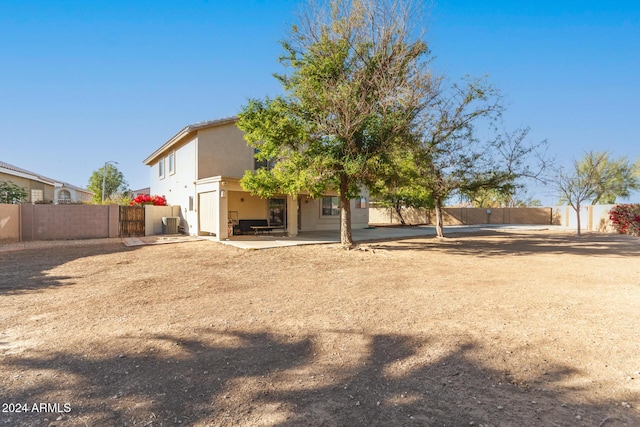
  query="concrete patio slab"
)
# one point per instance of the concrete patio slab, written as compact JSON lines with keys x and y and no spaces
{"x":363,"y":235}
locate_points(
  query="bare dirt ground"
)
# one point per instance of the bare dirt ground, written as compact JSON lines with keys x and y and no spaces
{"x":501,"y":329}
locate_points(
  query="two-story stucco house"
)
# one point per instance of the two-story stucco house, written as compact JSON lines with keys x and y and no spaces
{"x":200,"y":169}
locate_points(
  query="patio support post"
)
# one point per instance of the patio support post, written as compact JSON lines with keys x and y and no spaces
{"x":223,"y":212}
{"x":292,"y":216}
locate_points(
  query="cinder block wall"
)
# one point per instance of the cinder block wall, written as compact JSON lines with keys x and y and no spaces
{"x":9,"y":223}
{"x":69,"y":222}
{"x":463,"y":216}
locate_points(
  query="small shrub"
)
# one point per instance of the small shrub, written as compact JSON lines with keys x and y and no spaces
{"x":626,"y":219}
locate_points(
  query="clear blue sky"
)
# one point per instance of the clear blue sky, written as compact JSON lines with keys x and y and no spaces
{"x":83,"y":82}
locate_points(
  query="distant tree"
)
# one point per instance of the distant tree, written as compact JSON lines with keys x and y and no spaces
{"x":449,"y":155}
{"x":523,"y":162}
{"x":357,"y":80}
{"x":615,"y":177}
{"x":495,"y":198}
{"x":11,"y":193}
{"x":580,"y":183}
{"x":114,"y":183}
{"x":401,"y":186}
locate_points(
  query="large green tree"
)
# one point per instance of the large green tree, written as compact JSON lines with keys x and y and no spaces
{"x":356,"y":80}
{"x":11,"y":193}
{"x":114,"y":183}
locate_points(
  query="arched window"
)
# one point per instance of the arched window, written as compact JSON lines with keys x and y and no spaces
{"x":64,"y":196}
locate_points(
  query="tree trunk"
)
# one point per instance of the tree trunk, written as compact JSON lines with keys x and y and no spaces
{"x":346,"y":238}
{"x":438,"y":208}
{"x":577,"y":207}
{"x":398,"y":209}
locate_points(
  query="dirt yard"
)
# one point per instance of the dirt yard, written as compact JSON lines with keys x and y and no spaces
{"x":501,"y":329}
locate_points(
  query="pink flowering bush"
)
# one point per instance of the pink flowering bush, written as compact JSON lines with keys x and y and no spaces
{"x":626,"y":219}
{"x":145,"y":199}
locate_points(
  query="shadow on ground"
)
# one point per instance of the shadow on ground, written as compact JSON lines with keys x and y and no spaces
{"x":512,"y":243}
{"x":26,"y":270}
{"x":236,"y":378}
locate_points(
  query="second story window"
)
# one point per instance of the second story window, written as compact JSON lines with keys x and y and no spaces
{"x":262,"y":164}
{"x":172,"y":163}
{"x":161,"y":168}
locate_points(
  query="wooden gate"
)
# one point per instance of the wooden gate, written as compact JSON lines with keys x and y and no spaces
{"x":131,"y":221}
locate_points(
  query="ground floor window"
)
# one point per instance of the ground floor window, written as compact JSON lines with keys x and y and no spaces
{"x":361,"y":203}
{"x":330,"y":206}
{"x":37,"y":196}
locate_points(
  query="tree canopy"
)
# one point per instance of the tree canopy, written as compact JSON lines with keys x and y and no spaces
{"x":598,"y":178}
{"x":114,"y":181}
{"x":450,"y":156}
{"x":614,"y":177}
{"x":522,"y":162}
{"x":579,"y":183}
{"x":357,"y":80}
{"x":362,"y":109}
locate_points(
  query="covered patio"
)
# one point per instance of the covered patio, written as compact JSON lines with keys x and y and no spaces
{"x":275,"y":240}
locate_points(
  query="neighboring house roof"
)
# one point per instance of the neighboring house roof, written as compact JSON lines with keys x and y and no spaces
{"x":185,"y":132}
{"x":73,"y":187}
{"x":145,"y":190}
{"x":23,"y":173}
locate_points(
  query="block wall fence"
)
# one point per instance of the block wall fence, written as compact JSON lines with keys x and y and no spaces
{"x":28,"y":222}
{"x":592,"y":218}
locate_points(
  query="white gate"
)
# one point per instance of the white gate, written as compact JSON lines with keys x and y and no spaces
{"x":207,"y":211}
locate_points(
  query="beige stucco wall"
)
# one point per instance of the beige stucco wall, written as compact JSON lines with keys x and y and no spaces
{"x":460,"y":216}
{"x":28,"y":185}
{"x":153,"y":218}
{"x":253,"y":207}
{"x":19,"y":181}
{"x":9,"y":223}
{"x":217,"y":158}
{"x":179,"y":187}
{"x":592,"y":218}
{"x":223,"y":151}
{"x":389,"y":216}
{"x":313,"y":220}
{"x":247,"y":206}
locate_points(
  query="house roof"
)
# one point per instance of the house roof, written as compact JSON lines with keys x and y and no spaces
{"x":186,"y":132}
{"x":73,"y":187}
{"x":23,"y":173}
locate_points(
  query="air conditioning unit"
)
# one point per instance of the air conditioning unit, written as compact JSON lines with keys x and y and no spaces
{"x":170,"y":224}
